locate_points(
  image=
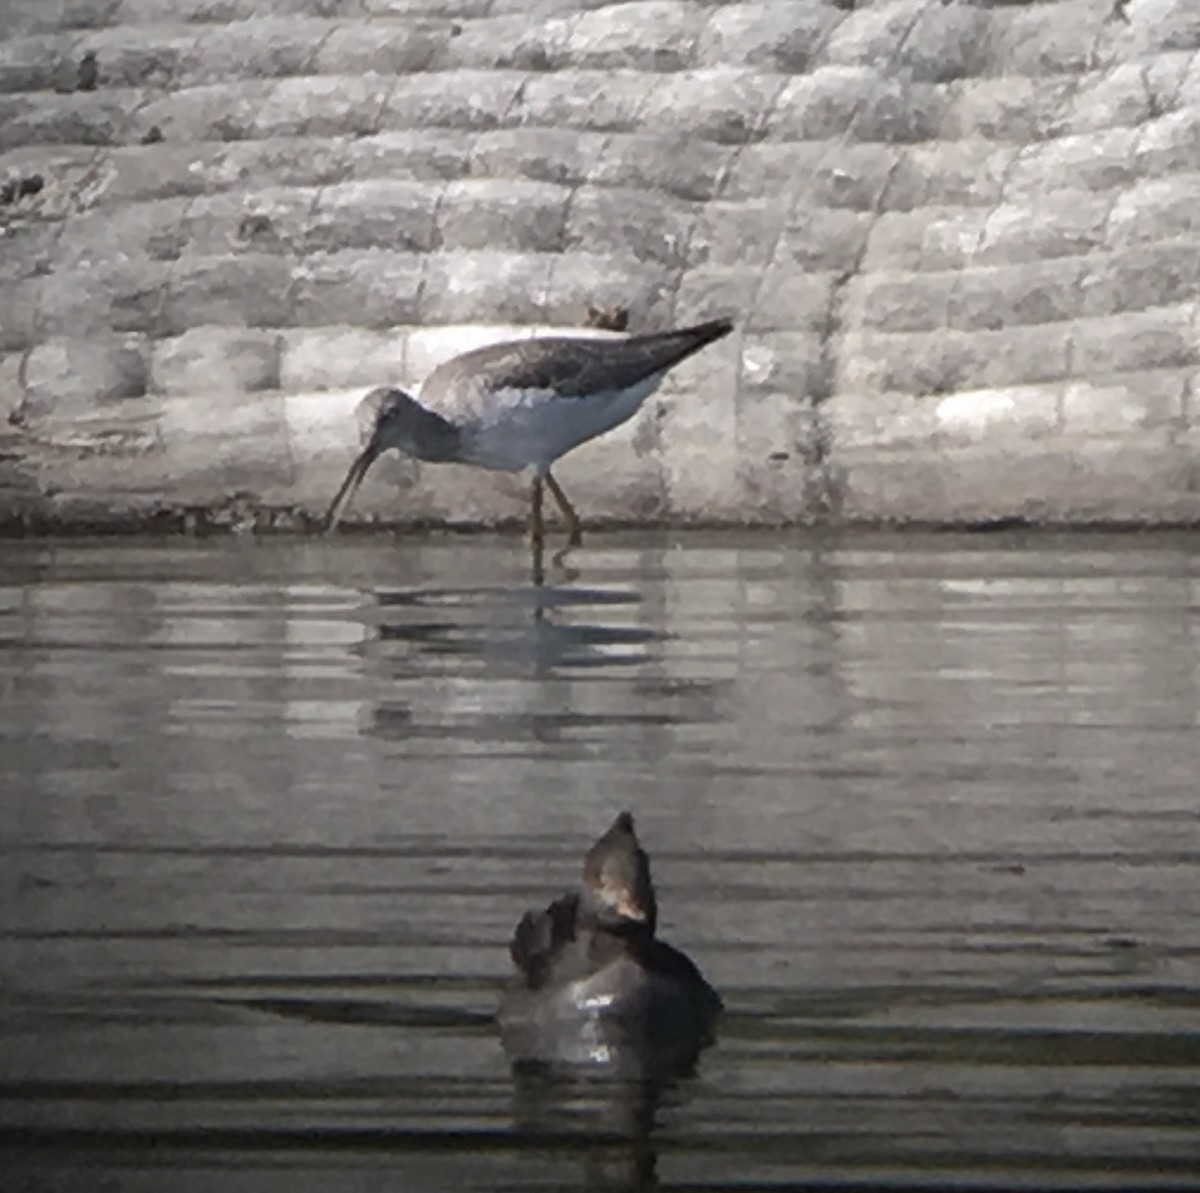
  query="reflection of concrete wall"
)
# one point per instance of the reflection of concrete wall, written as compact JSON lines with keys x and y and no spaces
{"x":962,"y":241}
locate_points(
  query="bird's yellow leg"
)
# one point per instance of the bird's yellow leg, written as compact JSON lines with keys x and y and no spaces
{"x":574,"y":530}
{"x":537,"y":533}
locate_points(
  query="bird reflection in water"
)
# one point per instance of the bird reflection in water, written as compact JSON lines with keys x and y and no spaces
{"x":521,"y":629}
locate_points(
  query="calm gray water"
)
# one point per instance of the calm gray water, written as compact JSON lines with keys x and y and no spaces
{"x":924,"y":809}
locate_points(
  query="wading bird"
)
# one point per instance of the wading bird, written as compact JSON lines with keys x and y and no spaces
{"x":521,"y":404}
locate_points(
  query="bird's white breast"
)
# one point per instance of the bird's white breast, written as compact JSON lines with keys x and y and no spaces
{"x":524,"y":428}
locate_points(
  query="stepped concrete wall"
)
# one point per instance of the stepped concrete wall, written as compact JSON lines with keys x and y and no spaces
{"x":961,"y":240}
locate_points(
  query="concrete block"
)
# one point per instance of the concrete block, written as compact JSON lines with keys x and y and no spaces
{"x":333,"y":358}
{"x":898,"y":302}
{"x":270,"y":220}
{"x":825,"y":240}
{"x":323,"y":106}
{"x":1062,"y":224}
{"x":742,"y":233}
{"x":1135,"y":341}
{"x":10,"y":383}
{"x":89,"y":118}
{"x":124,"y":295}
{"x":65,"y":379}
{"x":1156,"y":209}
{"x":870,"y":362}
{"x":384,"y":48}
{"x":1039,"y":40}
{"x":681,"y":168}
{"x":151,"y":60}
{"x":775,"y":434}
{"x":130,"y":233}
{"x":143,"y":173}
{"x":1100,"y":480}
{"x":468,"y":287}
{"x":897,"y":111}
{"x":787,"y":300}
{"x":770,"y":168}
{"x":226,"y":111}
{"x":1017,"y":413}
{"x":499,"y":214}
{"x":1013,"y":356}
{"x":855,"y":177}
{"x":580,"y":280}
{"x":249,"y":290}
{"x":777,"y":36}
{"x":594,"y":99}
{"x":972,"y":173}
{"x":507,"y":41}
{"x":952,"y":240}
{"x":28,"y":250}
{"x":870,"y":35}
{"x":220,"y":444}
{"x":373,"y":288}
{"x":400,"y":216}
{"x":946,"y":362}
{"x":417,"y":155}
{"x":1010,"y":108}
{"x":710,"y":291}
{"x":1146,"y":400}
{"x":883,"y":422}
{"x":262,"y":47}
{"x":821,"y":104}
{"x":1117,"y":98}
{"x":942,"y":45}
{"x":698,"y":435}
{"x":1099,"y":161}
{"x":1009,"y":296}
{"x":644,"y":35}
{"x":34,"y":62}
{"x":1168,"y":144}
{"x":19,"y":302}
{"x":729,"y":107}
{"x":1166,"y":25}
{"x":1142,"y":276}
{"x":446,"y":10}
{"x":227,"y":360}
{"x":462,"y":99}
{"x":538,"y":154}
{"x":274,"y":163}
{"x":781,"y":362}
{"x":933,"y":237}
{"x":646,"y":226}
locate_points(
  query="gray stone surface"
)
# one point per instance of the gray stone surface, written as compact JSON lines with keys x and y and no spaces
{"x":961,"y":241}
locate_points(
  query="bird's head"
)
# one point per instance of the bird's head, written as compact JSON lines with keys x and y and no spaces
{"x":390,"y":418}
{"x":617,"y":890}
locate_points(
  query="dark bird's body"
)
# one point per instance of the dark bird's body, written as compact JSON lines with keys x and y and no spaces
{"x":522,"y":404}
{"x":593,"y":979}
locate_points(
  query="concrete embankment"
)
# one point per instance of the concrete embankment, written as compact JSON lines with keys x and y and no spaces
{"x":961,"y":240}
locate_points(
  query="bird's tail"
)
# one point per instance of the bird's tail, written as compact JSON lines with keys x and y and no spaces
{"x":678,"y":344}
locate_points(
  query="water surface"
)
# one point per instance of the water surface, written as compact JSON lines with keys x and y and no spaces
{"x":924,"y":809}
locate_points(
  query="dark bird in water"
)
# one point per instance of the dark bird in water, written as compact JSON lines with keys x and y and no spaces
{"x":521,"y":404}
{"x":593,"y":977}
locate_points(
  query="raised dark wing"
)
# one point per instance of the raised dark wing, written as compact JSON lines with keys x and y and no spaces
{"x":571,"y":366}
{"x":541,"y":937}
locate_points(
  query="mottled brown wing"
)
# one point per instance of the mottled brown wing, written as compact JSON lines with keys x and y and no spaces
{"x":571,"y":366}
{"x":541,"y":937}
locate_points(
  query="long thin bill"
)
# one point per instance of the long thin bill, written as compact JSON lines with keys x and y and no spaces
{"x":345,"y":494}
